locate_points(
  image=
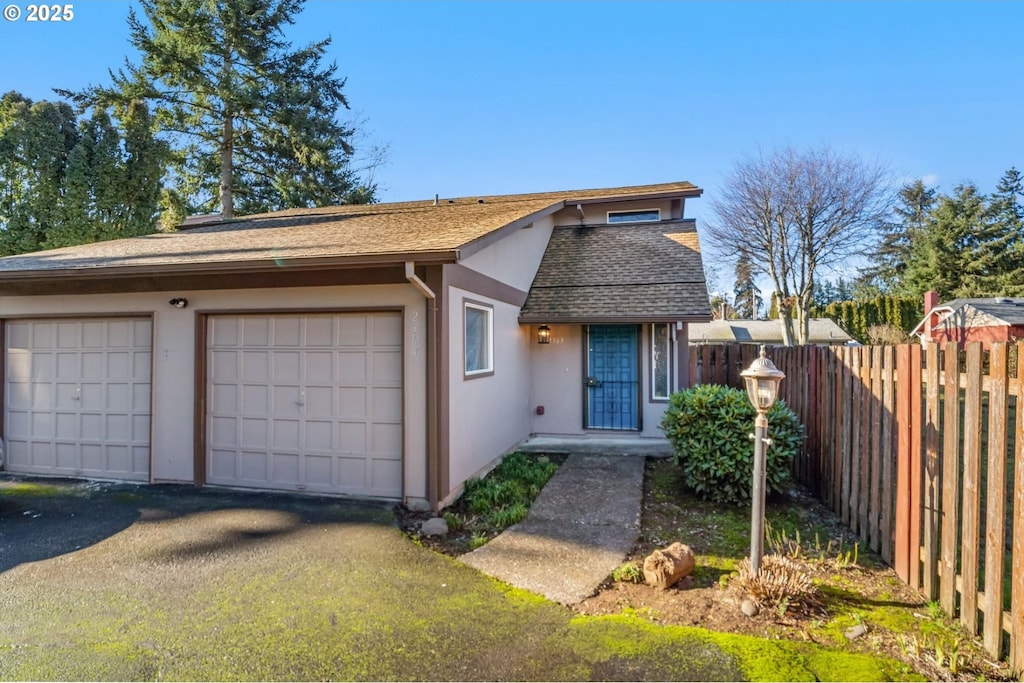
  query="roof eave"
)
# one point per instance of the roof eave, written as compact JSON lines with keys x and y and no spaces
{"x":533,"y":319}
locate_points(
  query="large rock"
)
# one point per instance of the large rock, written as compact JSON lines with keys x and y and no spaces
{"x":435,"y":526}
{"x":663,"y":568}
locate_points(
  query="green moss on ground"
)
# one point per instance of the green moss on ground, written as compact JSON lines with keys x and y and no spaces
{"x":31,"y":490}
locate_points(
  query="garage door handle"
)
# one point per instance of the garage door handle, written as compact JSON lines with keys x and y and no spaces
{"x":300,"y":403}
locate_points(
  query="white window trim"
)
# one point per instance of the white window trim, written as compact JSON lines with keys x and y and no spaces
{"x":608,"y":216}
{"x":671,"y":361}
{"x":489,"y":311}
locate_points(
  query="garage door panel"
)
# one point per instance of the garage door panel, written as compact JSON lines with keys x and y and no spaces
{"x":256,"y":332}
{"x":331,"y":392}
{"x":67,"y":455}
{"x":353,"y":367}
{"x":286,"y":366}
{"x":287,"y":401}
{"x":254,"y":433}
{"x":319,"y":331}
{"x":68,"y":365}
{"x":77,"y":397}
{"x":318,"y":436}
{"x":352,"y":437}
{"x":286,"y":435}
{"x":255,"y":399}
{"x":286,"y":468}
{"x":352,"y":332}
{"x":287,"y":331}
{"x":387,"y":404}
{"x":68,"y":426}
{"x":254,"y":467}
{"x":255,"y":366}
{"x":223,"y":367}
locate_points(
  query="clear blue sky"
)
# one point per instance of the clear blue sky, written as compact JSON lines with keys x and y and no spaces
{"x":492,"y":98}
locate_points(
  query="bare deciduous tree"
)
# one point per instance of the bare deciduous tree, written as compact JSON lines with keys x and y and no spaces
{"x":793,"y":213}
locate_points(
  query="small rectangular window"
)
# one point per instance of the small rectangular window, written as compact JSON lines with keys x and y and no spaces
{"x":661,"y":361}
{"x":634,"y":216}
{"x":479,"y":339}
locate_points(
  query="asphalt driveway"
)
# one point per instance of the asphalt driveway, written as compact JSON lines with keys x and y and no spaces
{"x":122,"y":582}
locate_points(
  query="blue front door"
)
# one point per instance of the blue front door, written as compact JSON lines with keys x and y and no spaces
{"x":613,"y":377}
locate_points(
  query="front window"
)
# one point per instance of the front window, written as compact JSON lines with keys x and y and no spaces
{"x":661,"y":361}
{"x":479,"y":338}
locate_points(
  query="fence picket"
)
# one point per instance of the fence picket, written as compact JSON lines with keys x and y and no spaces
{"x":902,"y":555}
{"x":950,"y":478}
{"x":995,"y":504}
{"x":916,"y":498}
{"x":876,"y":449}
{"x":865,"y":441}
{"x":930,"y":499}
{"x":888,"y":522}
{"x":970,"y":534}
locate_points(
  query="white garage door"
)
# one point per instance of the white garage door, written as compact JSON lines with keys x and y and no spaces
{"x":306,"y":402}
{"x":77,"y":397}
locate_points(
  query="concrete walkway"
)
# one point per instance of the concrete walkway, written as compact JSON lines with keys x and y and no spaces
{"x":581,"y":527}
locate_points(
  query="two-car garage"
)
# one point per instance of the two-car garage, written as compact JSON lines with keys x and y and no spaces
{"x":308,"y":402}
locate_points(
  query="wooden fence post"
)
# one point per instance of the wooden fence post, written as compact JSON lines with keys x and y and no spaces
{"x":1017,"y":571}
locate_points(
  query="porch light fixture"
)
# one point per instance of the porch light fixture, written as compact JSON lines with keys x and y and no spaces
{"x":762,"y":379}
{"x":543,"y":334}
{"x":179,"y":302}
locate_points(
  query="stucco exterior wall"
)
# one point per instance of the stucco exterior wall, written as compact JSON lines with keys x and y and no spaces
{"x":557,"y":379}
{"x":489,"y":414}
{"x":557,"y":384}
{"x":514,"y":260}
{"x":174,"y":355}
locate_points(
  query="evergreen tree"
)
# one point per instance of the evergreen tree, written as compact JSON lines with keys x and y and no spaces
{"x":1006,"y":211}
{"x":950,"y":255}
{"x":250,"y":118}
{"x":65,"y":181}
{"x":747,"y":296}
{"x":915,"y":203}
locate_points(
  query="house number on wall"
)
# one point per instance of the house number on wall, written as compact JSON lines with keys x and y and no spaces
{"x":415,"y":334}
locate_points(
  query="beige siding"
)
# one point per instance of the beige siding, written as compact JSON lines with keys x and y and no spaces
{"x":488,"y":414}
{"x":515,"y":259}
{"x":558,"y":381}
{"x":174,"y":353}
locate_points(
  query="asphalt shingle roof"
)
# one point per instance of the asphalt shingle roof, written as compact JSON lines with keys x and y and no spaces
{"x":627,"y":272}
{"x":380,"y":232}
{"x":1005,"y":309}
{"x":820,"y":331}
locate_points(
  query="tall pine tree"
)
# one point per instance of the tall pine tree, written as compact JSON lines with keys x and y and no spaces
{"x":252,"y":119}
{"x":1006,"y":211}
{"x":915,"y":203}
{"x":746,"y":295}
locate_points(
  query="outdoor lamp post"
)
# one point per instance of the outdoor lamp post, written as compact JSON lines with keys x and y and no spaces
{"x":762,"y":379}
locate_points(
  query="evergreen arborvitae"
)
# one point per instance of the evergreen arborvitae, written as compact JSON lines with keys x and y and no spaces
{"x":251,"y":118}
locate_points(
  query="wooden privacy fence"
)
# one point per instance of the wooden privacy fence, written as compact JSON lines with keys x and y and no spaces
{"x":921,"y":453}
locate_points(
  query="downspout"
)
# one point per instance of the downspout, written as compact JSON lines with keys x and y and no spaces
{"x":433,"y":495}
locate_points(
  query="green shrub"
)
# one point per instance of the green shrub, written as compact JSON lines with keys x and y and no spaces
{"x":709,"y":427}
{"x":629,"y":572}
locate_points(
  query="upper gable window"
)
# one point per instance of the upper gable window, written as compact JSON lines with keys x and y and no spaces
{"x":641,"y":216}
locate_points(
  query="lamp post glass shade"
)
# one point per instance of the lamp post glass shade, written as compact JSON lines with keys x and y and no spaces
{"x":762,"y":379}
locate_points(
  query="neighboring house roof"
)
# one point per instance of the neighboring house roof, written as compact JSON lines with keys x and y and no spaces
{"x":376,"y":233}
{"x":625,"y":272}
{"x":963,"y":313}
{"x":820,"y":331}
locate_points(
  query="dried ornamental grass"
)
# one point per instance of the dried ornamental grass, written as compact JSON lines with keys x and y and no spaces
{"x":780,"y":581}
